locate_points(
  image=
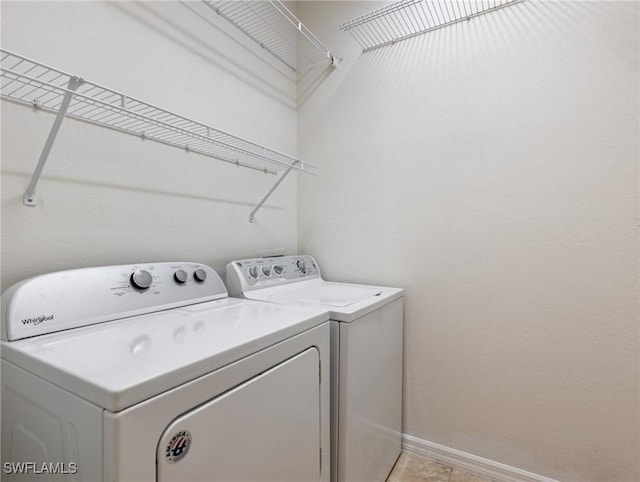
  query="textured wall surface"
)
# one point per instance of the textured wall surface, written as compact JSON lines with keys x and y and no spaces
{"x":491,"y":169}
{"x":108,"y":198}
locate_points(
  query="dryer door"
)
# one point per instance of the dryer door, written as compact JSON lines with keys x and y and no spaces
{"x":266,"y":429}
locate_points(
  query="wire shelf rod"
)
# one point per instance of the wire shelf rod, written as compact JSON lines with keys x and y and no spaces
{"x":303,"y":30}
{"x":272,"y":26}
{"x":408,"y":18}
{"x":27,"y":82}
{"x":160,"y":141}
{"x":178,"y":124}
{"x":374,"y":14}
{"x":33,"y":81}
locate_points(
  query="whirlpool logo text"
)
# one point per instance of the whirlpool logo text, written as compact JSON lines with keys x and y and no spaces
{"x":37,"y":320}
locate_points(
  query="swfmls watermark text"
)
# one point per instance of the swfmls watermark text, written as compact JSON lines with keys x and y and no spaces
{"x":36,"y":468}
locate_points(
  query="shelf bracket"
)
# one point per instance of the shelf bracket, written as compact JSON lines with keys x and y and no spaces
{"x":273,"y":188}
{"x":29,"y":198}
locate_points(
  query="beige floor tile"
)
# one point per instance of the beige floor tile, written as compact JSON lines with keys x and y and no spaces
{"x":458,"y":475}
{"x":411,"y":468}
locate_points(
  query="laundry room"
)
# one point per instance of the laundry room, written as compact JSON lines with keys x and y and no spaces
{"x":481,"y":156}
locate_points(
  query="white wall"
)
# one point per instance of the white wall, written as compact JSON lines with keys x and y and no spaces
{"x":491,"y":169}
{"x":109,"y":198}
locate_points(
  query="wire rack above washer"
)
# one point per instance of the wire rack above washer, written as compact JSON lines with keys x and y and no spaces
{"x":32,"y":83}
{"x":29,"y":82}
{"x":272,"y":26}
{"x":408,"y":18}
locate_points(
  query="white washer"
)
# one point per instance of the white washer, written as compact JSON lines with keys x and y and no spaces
{"x":366,"y":357}
{"x":150,"y":372}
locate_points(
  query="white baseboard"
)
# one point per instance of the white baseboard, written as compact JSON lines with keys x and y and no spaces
{"x":468,"y":462}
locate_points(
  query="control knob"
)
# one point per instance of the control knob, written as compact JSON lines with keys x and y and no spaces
{"x":253,"y":272}
{"x":141,"y":279}
{"x":200,"y":275}
{"x":302,"y":265}
{"x":277,"y":269}
{"x":266,"y":270}
{"x":180,"y":276}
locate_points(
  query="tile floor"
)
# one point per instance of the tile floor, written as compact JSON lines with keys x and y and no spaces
{"x":413,"y":468}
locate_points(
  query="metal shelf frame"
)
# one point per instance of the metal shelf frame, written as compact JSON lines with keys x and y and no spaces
{"x":272,"y":26}
{"x":408,"y":18}
{"x":25,"y":81}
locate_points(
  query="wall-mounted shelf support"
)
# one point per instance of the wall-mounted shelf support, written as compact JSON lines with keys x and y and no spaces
{"x":31,"y":83}
{"x":30,"y":194}
{"x":272,"y":26}
{"x":266,"y":196}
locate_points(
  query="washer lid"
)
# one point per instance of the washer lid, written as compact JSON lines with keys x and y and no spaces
{"x":120,"y":363}
{"x":346,"y":302}
{"x":329,"y":294}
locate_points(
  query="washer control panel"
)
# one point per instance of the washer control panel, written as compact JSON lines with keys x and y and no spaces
{"x":79,"y":297}
{"x":255,"y":273}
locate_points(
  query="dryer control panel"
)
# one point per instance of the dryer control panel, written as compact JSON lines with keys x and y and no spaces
{"x":255,"y":273}
{"x":78,"y":297}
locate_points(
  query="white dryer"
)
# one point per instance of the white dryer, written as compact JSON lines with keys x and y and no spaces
{"x":366,"y":357}
{"x":150,"y":372}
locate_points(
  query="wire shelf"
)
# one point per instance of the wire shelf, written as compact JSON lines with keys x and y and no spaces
{"x":408,"y":18}
{"x":32,"y":83}
{"x":272,"y":26}
{"x":28,"y":82}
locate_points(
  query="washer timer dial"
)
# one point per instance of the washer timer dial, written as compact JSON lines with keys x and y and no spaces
{"x":141,"y":279}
